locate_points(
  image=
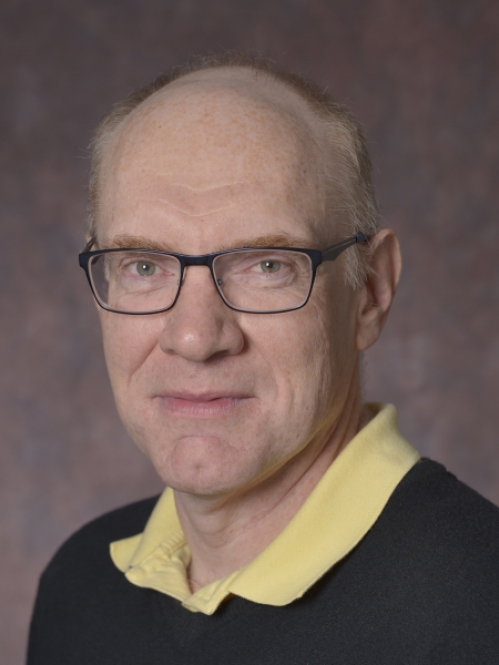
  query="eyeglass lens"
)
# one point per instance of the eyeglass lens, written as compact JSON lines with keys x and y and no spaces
{"x":262,"y":280}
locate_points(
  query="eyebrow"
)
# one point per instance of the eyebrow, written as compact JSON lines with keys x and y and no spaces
{"x":135,"y":242}
{"x":141,"y":242}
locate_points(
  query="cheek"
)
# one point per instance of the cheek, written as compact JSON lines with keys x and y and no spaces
{"x":325,"y":338}
{"x":296,"y":347}
{"x":128,"y":341}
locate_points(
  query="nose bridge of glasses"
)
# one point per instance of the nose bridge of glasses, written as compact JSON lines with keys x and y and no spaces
{"x":203,"y":260}
{"x":195,"y":260}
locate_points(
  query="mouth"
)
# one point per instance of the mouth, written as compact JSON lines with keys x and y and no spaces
{"x":205,"y":405}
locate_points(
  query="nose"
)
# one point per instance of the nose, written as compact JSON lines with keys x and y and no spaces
{"x":200,"y":326}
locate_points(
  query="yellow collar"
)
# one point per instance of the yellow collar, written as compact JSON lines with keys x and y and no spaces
{"x":339,"y":512}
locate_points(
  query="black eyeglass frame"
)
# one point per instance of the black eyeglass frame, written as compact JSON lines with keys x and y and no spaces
{"x":316,"y":256}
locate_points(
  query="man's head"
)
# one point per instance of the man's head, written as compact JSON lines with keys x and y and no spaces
{"x":351,"y":203}
{"x":220,"y":158}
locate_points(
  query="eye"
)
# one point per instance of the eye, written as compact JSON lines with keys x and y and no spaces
{"x":145,"y":268}
{"x":270,"y":266}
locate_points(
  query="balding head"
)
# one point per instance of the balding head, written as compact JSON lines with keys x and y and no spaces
{"x":242,"y":110}
{"x":210,"y":137}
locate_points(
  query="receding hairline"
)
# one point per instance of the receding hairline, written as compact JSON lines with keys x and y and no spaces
{"x":251,"y":86}
{"x":252,"y":83}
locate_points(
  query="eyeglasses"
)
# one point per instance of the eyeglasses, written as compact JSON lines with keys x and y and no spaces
{"x":263,"y":280}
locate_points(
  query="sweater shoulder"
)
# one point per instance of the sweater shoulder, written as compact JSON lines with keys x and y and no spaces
{"x":441,"y":525}
{"x":89,"y":545}
{"x":435,"y":493}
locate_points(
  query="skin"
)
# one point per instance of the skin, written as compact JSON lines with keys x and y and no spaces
{"x":241,"y":414}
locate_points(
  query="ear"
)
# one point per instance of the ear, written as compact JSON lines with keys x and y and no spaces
{"x":376,"y":295}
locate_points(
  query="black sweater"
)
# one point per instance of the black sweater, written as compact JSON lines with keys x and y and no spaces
{"x":421,"y":587}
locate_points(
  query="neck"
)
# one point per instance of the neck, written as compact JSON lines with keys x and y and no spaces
{"x":225,"y":533}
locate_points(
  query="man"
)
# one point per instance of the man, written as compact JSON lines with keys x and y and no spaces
{"x":234,"y":255}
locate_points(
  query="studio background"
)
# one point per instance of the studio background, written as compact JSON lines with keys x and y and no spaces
{"x":422,"y":77}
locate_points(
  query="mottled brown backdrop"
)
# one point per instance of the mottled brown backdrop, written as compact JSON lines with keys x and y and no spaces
{"x":422,"y":76}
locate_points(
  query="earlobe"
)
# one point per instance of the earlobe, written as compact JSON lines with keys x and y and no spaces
{"x":378,"y":291}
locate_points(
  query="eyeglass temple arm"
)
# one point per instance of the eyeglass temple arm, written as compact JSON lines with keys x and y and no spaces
{"x":332,"y":253}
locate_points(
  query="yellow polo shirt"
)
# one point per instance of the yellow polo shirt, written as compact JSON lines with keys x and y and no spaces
{"x":339,"y":512}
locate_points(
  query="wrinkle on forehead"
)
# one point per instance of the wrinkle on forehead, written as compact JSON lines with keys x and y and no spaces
{"x":190,"y":200}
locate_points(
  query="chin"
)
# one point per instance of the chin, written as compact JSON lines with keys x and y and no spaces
{"x":204,"y":466}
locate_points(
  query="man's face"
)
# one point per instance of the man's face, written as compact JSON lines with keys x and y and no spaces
{"x":221,"y":400}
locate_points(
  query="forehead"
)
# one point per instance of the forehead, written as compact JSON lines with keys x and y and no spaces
{"x":205,"y":126}
{"x":206,"y":142}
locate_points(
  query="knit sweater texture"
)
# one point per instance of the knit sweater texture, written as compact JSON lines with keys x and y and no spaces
{"x":422,"y":587}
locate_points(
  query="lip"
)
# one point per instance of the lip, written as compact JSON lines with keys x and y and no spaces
{"x":206,"y":405}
